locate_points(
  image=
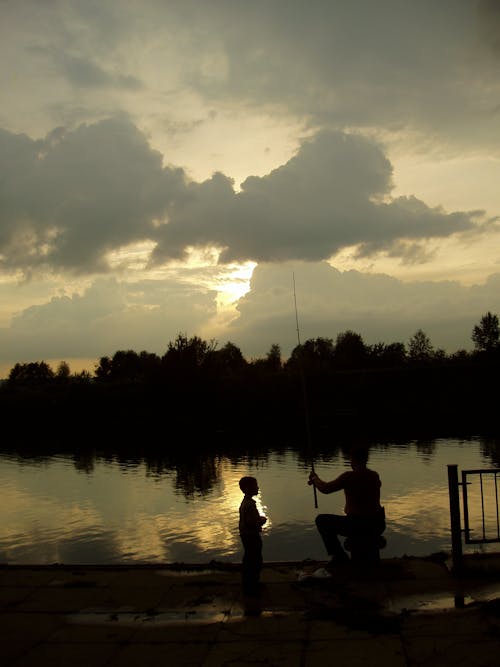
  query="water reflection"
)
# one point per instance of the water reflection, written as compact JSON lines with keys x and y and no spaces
{"x":491,"y":451}
{"x":102,"y":507}
{"x":197,"y":476}
{"x":425,"y":449}
{"x":84,"y":462}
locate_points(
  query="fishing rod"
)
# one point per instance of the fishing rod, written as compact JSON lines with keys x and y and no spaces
{"x":304,"y":392}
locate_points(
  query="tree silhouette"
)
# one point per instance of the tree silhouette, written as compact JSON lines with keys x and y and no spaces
{"x":387,"y":356}
{"x":350,"y":350}
{"x":103,"y":369}
{"x":315,"y":355}
{"x":187,"y":355}
{"x":485,"y":335}
{"x":273,"y":358}
{"x":150,"y":365}
{"x":226,"y":361}
{"x":35,"y":372}
{"x":125,"y":365}
{"x":271,"y":363}
{"x":63,"y":372}
{"x":128,"y":366}
{"x":420,"y":348}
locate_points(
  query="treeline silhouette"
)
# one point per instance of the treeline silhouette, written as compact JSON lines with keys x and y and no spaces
{"x":197,"y":390}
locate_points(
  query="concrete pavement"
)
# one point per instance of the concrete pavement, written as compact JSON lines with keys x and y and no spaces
{"x":409,"y":611}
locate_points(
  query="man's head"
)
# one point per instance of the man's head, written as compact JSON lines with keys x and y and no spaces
{"x":249,"y":486}
{"x":359,"y":457}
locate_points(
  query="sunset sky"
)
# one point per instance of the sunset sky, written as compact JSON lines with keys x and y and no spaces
{"x":167,"y":165}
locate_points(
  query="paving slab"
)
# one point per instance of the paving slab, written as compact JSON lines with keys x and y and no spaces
{"x":62,"y":600}
{"x":78,"y":632}
{"x":455,"y":637}
{"x":28,"y":627}
{"x":12,"y":651}
{"x":269,"y":626}
{"x":175,"y":654}
{"x":66,"y":655}
{"x":369,"y":652}
{"x":274,"y":653}
{"x":444,"y":650}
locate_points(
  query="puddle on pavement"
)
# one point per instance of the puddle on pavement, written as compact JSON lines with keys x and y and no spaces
{"x":151,"y":619}
{"x":183,"y":573}
{"x":171,"y":617}
{"x":239,"y":614}
{"x":421,"y":603}
{"x":442,"y":601}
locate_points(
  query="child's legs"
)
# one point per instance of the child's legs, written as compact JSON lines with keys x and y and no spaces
{"x":252,"y":559}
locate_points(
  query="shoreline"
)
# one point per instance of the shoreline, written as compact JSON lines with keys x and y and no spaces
{"x":474,"y":562}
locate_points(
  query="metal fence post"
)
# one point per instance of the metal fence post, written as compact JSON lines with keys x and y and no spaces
{"x":456,"y":531}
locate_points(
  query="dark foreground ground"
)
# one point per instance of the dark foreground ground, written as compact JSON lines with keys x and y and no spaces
{"x":409,"y":611}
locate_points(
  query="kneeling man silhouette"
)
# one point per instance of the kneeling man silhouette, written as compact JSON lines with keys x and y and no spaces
{"x":364,"y":519}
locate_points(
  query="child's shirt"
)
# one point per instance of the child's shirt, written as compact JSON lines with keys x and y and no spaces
{"x":250,"y":519}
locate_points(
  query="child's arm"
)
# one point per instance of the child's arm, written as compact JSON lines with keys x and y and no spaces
{"x":252,"y":517}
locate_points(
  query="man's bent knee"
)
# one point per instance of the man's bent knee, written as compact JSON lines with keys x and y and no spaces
{"x":320,"y":519}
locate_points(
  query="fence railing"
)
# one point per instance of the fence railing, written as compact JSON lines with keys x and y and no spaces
{"x":480,"y":509}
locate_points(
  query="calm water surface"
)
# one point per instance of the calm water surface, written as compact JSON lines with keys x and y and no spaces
{"x":100,"y":510}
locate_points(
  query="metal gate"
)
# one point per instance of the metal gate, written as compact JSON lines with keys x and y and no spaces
{"x":480,"y":509}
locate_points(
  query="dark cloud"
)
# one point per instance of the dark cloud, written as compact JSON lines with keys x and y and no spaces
{"x":333,"y":193}
{"x":391,"y":64}
{"x":429,"y":67}
{"x":70,"y":198}
{"x":489,"y":24}
{"x":83,"y":72}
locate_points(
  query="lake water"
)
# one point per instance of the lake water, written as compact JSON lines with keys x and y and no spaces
{"x":103,"y":510}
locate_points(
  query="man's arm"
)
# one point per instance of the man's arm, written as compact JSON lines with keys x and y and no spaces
{"x":326,"y":487}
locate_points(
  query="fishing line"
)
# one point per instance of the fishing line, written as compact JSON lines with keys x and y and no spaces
{"x":304,"y":392}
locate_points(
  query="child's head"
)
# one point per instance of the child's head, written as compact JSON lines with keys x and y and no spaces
{"x":249,"y":486}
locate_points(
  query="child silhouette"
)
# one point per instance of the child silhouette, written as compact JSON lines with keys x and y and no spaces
{"x":250,"y":526}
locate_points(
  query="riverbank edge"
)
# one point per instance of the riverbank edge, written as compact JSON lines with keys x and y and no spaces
{"x":470,"y":561}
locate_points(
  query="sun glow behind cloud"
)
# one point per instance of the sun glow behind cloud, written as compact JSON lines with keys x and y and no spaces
{"x":235,"y":284}
{"x":200,"y":267}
